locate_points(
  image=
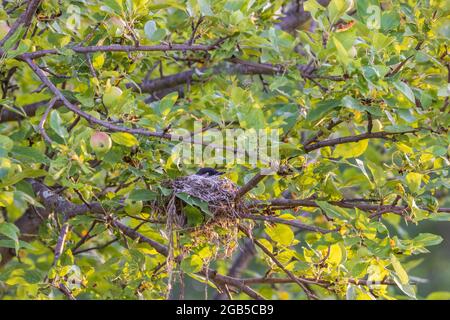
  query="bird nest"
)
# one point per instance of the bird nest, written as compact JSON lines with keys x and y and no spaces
{"x":218,"y":197}
{"x":218,"y":193}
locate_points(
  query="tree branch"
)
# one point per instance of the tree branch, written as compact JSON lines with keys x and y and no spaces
{"x":249,"y":185}
{"x":346,"y":203}
{"x":319,"y":282}
{"x":42,"y":122}
{"x":121,"y":48}
{"x":293,"y":223}
{"x":356,"y":138}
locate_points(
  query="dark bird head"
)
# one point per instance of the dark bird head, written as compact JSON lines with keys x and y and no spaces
{"x":208,"y":172}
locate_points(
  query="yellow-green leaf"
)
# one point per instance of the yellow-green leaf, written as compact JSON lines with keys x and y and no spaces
{"x":124,"y":139}
{"x":413,"y":180}
{"x":6,"y":198}
{"x":281,"y":234}
{"x":342,"y":54}
{"x":401,"y":273}
{"x":337,"y":254}
{"x":351,"y":150}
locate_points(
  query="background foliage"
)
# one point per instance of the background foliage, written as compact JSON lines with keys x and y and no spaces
{"x":358,"y":91}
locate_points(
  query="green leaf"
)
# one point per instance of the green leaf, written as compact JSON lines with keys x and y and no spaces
{"x":192,"y":264}
{"x":439,"y":295}
{"x":6,"y":198}
{"x":194,"y":216}
{"x":125,"y":139}
{"x":5,"y":167}
{"x":57,"y":125}
{"x":350,"y":150}
{"x":401,"y":273}
{"x":115,"y":5}
{"x":406,"y":288}
{"x":205,"y":8}
{"x":313,"y":7}
{"x":29,"y":155}
{"x":27,"y":173}
{"x":12,"y":232}
{"x":152,"y":32}
{"x":6,"y":243}
{"x":336,"y":8}
{"x":352,"y":103}
{"x":142,"y":195}
{"x":6,"y":143}
{"x":342,"y":54}
{"x":405,"y":90}
{"x":427,"y":239}
{"x":167,"y":103}
{"x":440,"y":216}
{"x":413,"y":181}
{"x":389,"y":20}
{"x":9,"y":44}
{"x":280,"y":233}
{"x":203,"y":205}
{"x":322,"y":108}
{"x":397,"y":128}
{"x":332,"y":211}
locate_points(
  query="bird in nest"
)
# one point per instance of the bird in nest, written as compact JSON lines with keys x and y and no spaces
{"x":208,"y":172}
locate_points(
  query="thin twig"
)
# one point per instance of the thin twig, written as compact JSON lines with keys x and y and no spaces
{"x":43,"y":119}
{"x":61,"y":242}
{"x":250,"y":185}
{"x":307,"y":291}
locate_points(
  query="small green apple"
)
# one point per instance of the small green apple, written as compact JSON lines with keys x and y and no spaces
{"x":111,"y":96}
{"x":133,"y":207}
{"x":100,"y":142}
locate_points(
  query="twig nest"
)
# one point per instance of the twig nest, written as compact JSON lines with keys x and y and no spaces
{"x":218,"y":192}
{"x":220,"y":227}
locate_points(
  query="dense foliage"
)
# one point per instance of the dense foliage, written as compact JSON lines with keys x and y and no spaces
{"x":92,"y":92}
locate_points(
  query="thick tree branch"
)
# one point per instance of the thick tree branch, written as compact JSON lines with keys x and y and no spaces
{"x":349,"y":204}
{"x":121,"y":48}
{"x":356,"y":138}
